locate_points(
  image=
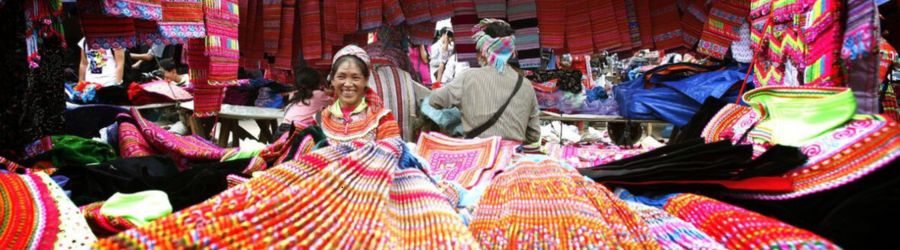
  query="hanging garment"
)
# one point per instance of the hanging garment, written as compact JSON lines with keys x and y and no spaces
{"x":272,"y":22}
{"x":667,"y":34}
{"x":645,"y":22}
{"x":348,"y":16}
{"x":286,"y":57}
{"x":182,"y":19}
{"x":523,"y":19}
{"x":579,"y":38}
{"x":552,"y":22}
{"x":580,"y":208}
{"x":137,"y":9}
{"x":621,"y":14}
{"x":310,"y":17}
{"x":393,"y":197}
{"x":491,"y":9}
{"x":396,"y":89}
{"x":440,"y":9}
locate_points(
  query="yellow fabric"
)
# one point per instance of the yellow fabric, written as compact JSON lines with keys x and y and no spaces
{"x":336,"y":107}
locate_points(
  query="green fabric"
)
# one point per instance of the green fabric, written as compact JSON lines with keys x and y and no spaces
{"x":243,"y":154}
{"x":74,"y":150}
{"x":793,"y":115}
{"x":139,"y":208}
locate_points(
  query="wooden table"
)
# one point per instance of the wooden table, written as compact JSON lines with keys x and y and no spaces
{"x":229,"y":115}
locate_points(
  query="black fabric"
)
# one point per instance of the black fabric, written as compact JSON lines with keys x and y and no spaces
{"x":695,"y":126}
{"x":90,"y":184}
{"x":490,"y":122}
{"x":858,"y":215}
{"x":114,"y":95}
{"x":695,"y":160}
{"x":676,"y":71}
{"x":567,"y":80}
{"x":86,"y":121}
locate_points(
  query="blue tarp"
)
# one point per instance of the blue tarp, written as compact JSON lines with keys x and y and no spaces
{"x":676,"y":101}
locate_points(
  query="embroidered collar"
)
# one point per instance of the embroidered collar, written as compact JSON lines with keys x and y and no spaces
{"x":336,"y":107}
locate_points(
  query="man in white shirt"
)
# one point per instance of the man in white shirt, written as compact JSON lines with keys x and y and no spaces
{"x":103,"y":66}
{"x":443,"y":61}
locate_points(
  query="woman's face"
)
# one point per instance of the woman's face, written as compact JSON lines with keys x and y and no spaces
{"x":349,"y":83}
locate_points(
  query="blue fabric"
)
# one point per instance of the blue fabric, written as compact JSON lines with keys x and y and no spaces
{"x":654,"y":201}
{"x":449,"y":119}
{"x":597,"y":93}
{"x":676,"y":101}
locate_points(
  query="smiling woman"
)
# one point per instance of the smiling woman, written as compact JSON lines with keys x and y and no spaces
{"x":357,"y":112}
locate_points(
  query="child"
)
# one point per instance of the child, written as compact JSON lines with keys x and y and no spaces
{"x":308,"y":99}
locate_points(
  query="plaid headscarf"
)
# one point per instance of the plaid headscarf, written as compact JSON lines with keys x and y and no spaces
{"x":497,"y":50}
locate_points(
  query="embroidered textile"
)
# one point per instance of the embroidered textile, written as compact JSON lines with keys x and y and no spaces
{"x":585,"y":214}
{"x":179,"y":147}
{"x":621,"y":13}
{"x":310,"y":17}
{"x":104,"y":225}
{"x":285,"y":58}
{"x":393,"y":13}
{"x":387,"y":200}
{"x":30,"y":218}
{"x":491,"y":9}
{"x":222,"y":47}
{"x":348,"y":16}
{"x":131,"y":140}
{"x":723,"y":27}
{"x":645,"y":22}
{"x":792,"y":115}
{"x":463,"y":21}
{"x":462,"y":161}
{"x":440,"y":9}
{"x":137,"y":9}
{"x":370,"y":14}
{"x":182,"y":19}
{"x":416,"y":11}
{"x":395,"y":87}
{"x":737,"y":228}
{"x":74,"y":232}
{"x":671,"y":232}
{"x":104,"y":32}
{"x":667,"y":34}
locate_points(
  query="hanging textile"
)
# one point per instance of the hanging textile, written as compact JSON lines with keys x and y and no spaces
{"x":491,"y":9}
{"x":370,"y":14}
{"x":348,"y":16}
{"x":388,"y":199}
{"x":416,"y":11}
{"x":329,"y":21}
{"x":137,"y":9}
{"x":421,"y":33}
{"x":147,"y":33}
{"x":604,"y":27}
{"x":723,"y":27}
{"x":643,"y":8}
{"x":823,"y":33}
{"x":286,"y":57}
{"x":272,"y":22}
{"x":552,"y":23}
{"x":579,"y":37}
{"x":440,"y":9}
{"x":251,"y":35}
{"x":621,"y":14}
{"x":311,"y":28}
{"x":222,"y":19}
{"x":860,"y":56}
{"x":523,"y":18}
{"x":667,"y":34}
{"x":692,"y":19}
{"x":182,"y":19}
{"x":634,"y":29}
{"x":101,"y":31}
{"x":393,"y":13}
{"x":463,"y":21}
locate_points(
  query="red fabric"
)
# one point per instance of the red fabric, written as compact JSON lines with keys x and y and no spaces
{"x":370,"y":14}
{"x":329,"y":19}
{"x":311,"y":29}
{"x":622,"y":23}
{"x":645,"y":23}
{"x":579,"y":37}
{"x":416,"y":11}
{"x":463,"y":21}
{"x":393,"y":13}
{"x":421,"y":33}
{"x":271,"y":25}
{"x":208,"y":100}
{"x":605,"y":31}
{"x":551,"y":22}
{"x":107,"y":32}
{"x":772,"y":184}
{"x":440,"y":9}
{"x":666,"y":29}
{"x":692,"y":29}
{"x":347,"y":16}
{"x":284,"y":59}
{"x":252,"y":43}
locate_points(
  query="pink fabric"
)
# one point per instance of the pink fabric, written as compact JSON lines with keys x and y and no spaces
{"x":419,"y":66}
{"x":299,"y":112}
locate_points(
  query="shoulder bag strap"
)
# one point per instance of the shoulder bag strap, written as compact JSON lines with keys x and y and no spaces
{"x":490,"y":122}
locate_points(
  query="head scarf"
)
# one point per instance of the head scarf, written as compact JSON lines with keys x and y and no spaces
{"x":497,"y":50}
{"x":352,"y":50}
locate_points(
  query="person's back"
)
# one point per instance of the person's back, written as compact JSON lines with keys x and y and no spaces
{"x":480,"y":92}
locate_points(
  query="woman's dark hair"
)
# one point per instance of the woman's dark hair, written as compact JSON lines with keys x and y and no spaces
{"x":499,"y":29}
{"x":306,"y":80}
{"x":441,"y":32}
{"x":364,"y":68}
{"x":167,"y":64}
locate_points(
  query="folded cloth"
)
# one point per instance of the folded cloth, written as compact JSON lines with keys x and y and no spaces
{"x":138,"y":208}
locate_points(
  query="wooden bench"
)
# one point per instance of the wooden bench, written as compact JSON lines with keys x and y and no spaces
{"x":229,"y":115}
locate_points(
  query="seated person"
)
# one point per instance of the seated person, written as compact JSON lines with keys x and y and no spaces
{"x":170,"y":73}
{"x":357,"y":112}
{"x":480,"y":92}
{"x":308,"y":99}
{"x":101,"y":66}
